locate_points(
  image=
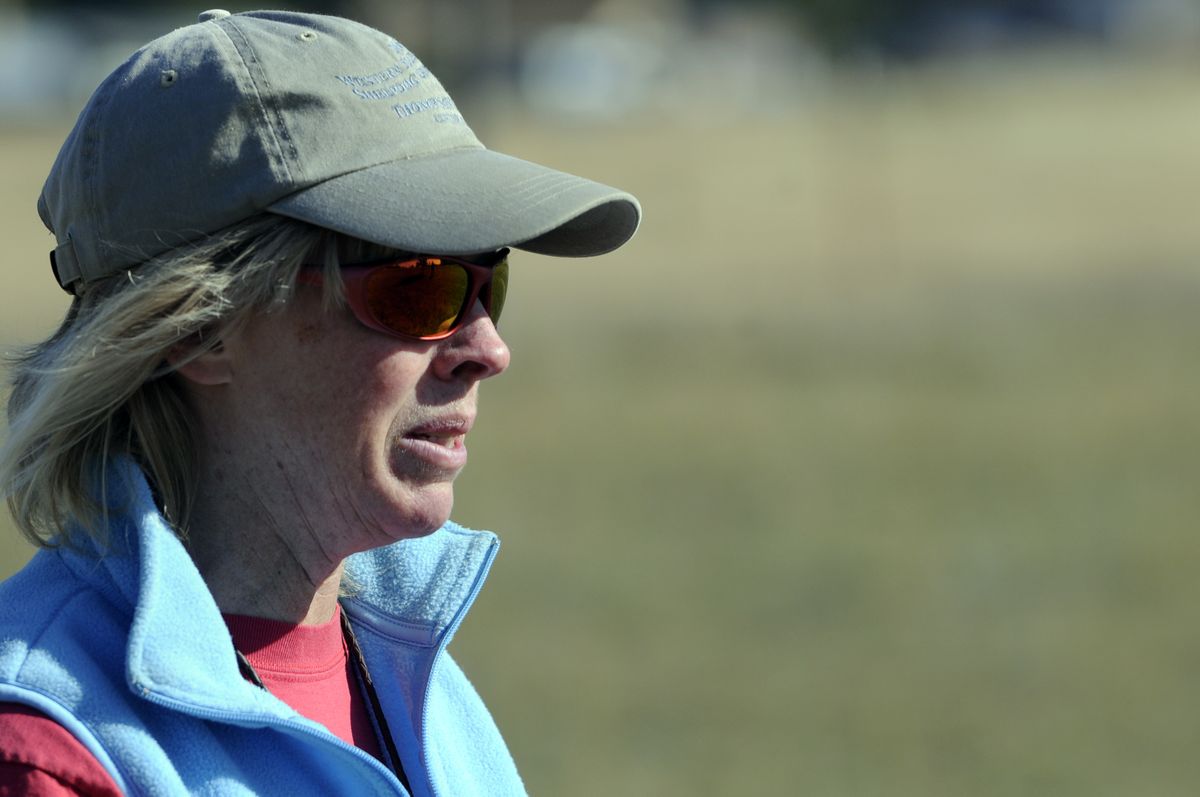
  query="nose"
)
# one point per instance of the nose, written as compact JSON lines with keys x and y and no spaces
{"x":475,"y":352}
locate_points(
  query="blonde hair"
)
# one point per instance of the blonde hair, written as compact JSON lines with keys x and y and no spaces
{"x":100,"y":386}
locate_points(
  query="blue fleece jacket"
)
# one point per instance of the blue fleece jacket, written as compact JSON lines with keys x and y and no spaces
{"x":128,"y":651}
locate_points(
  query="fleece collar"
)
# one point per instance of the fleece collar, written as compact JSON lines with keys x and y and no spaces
{"x":179,"y":651}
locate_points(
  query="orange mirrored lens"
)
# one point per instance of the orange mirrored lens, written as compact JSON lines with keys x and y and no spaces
{"x":418,"y":299}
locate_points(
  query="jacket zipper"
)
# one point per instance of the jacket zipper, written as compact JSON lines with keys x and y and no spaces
{"x":480,"y":576}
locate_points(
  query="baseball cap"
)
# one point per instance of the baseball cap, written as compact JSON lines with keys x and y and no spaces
{"x":314,"y":117}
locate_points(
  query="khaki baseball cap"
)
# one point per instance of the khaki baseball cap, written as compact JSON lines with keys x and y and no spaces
{"x":313,"y":117}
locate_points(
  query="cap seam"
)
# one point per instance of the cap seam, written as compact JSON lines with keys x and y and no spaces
{"x":90,"y":157}
{"x":415,"y":157}
{"x":272,"y":119}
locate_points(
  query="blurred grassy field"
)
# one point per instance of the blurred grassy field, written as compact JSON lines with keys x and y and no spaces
{"x":868,"y":468}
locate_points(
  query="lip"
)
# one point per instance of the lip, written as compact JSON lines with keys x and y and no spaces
{"x":441,"y":442}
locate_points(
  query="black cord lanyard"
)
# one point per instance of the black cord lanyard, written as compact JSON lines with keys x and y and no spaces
{"x":368,"y":688}
{"x":364,"y":679}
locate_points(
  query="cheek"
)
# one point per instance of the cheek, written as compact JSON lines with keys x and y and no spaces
{"x":326,"y":388}
{"x":363,"y":402}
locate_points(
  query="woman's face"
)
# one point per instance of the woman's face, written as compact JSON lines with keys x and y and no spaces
{"x":347,"y":438}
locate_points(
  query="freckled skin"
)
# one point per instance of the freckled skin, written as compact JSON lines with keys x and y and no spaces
{"x":304,"y":455}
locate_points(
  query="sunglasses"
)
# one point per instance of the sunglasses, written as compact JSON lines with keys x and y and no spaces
{"x":420,"y":297}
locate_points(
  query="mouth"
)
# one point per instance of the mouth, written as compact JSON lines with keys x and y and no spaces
{"x":450,"y":441}
{"x":439,"y":443}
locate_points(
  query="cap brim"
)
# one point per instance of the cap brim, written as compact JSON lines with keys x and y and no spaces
{"x":468,"y":201}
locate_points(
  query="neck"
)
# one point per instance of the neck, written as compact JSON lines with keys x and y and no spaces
{"x":264,"y":587}
{"x":253,"y":566}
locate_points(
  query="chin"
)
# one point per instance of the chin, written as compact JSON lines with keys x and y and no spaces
{"x":422,"y":512}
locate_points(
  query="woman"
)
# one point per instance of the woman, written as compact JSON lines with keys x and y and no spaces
{"x":288,"y":254}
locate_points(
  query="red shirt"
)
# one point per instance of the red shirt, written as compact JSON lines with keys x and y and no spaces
{"x":306,"y":666}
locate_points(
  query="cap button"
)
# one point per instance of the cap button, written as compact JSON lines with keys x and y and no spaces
{"x":215,"y":13}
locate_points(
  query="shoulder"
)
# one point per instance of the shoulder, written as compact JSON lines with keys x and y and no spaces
{"x":41,"y":758}
{"x":36,"y":594}
{"x":51,"y":618}
{"x":62,"y":646}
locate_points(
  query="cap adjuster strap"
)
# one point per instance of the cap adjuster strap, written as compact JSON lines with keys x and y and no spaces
{"x":65,"y":266}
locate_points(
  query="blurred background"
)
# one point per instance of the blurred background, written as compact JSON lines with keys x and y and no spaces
{"x":868,"y":467}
